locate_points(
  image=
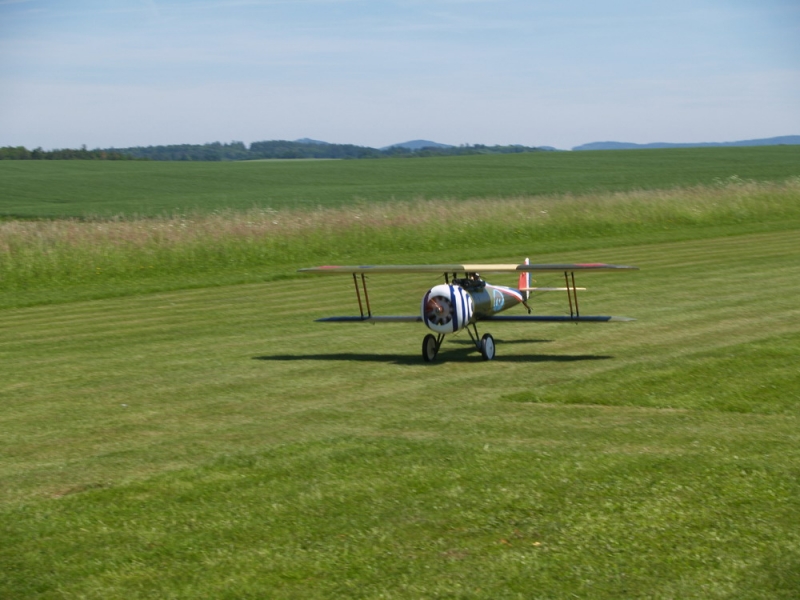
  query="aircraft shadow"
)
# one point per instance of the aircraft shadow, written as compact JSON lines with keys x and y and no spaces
{"x":445,"y":356}
{"x":497,"y":341}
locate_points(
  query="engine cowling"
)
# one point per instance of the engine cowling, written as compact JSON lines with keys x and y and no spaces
{"x":447,"y":308}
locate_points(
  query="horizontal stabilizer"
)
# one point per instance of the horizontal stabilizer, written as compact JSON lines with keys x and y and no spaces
{"x":558,"y":319}
{"x":365,"y":319}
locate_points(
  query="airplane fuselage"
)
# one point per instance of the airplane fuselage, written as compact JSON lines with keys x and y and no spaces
{"x":450,"y":307}
{"x":492,"y":299}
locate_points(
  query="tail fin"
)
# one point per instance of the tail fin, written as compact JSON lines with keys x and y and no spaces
{"x":525,"y":281}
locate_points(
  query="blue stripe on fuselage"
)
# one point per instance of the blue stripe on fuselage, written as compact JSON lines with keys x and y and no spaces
{"x":455,"y":307}
{"x":463,"y":297}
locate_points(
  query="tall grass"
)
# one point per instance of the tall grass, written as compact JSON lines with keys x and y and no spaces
{"x":57,"y":253}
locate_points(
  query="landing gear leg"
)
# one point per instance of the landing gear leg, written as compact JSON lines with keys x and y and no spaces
{"x":430,"y":346}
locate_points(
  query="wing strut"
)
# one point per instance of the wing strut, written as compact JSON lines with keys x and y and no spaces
{"x":572,"y":294}
{"x":366,"y":296}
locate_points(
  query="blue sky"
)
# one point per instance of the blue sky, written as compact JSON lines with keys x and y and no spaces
{"x":373,"y":72}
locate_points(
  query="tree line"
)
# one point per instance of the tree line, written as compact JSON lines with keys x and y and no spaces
{"x":234,"y":151}
{"x":22,"y":153}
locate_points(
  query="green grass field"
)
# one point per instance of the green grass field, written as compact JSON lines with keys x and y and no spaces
{"x":203,"y":437}
{"x":109,"y":188}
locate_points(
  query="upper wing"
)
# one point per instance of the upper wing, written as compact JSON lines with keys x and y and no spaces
{"x":466,"y":268}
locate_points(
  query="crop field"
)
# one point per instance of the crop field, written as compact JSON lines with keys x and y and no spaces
{"x":145,"y":189}
{"x":181,"y":431}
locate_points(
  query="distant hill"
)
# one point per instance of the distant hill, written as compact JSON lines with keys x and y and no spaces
{"x":775,"y":141}
{"x":418,"y":145}
{"x":310,"y":141}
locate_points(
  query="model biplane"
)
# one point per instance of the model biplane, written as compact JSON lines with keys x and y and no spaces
{"x":465,"y":298}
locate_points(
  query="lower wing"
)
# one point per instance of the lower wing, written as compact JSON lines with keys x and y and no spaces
{"x":560,"y":319}
{"x":369,"y":319}
{"x":529,"y":318}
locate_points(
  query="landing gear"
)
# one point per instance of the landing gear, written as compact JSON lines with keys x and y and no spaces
{"x":430,"y":346}
{"x":487,"y":346}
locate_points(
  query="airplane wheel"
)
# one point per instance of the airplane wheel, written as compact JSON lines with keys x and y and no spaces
{"x":487,"y":346}
{"x":429,"y":348}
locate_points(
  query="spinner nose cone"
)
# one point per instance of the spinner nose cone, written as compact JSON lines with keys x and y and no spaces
{"x":438,"y":310}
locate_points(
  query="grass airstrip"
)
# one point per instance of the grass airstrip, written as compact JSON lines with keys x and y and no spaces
{"x":179,"y":427}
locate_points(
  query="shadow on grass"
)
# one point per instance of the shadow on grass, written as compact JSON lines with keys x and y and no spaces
{"x":497,"y":341}
{"x":457,"y":355}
